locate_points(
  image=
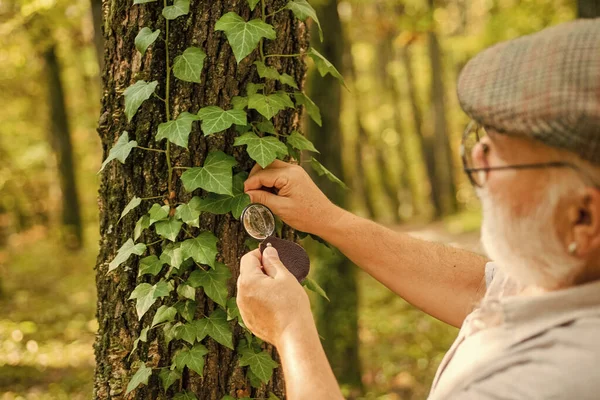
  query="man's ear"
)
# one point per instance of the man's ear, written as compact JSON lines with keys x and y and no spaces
{"x":586,"y":223}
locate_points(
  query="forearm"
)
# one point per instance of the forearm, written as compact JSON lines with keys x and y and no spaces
{"x":307,"y":372}
{"x":443,"y":281}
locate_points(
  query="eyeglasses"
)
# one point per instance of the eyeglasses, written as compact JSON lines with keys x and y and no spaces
{"x":478,"y":176}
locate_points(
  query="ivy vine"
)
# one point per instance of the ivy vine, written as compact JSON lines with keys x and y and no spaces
{"x":192,"y":262}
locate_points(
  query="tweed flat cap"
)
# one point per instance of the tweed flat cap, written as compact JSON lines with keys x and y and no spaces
{"x":544,"y":86}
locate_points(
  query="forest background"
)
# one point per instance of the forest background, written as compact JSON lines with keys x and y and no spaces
{"x":396,"y":148}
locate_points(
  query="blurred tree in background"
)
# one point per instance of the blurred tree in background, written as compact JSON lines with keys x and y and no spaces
{"x":396,"y":147}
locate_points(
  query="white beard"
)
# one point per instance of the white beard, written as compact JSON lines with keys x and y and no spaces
{"x":527,"y":248}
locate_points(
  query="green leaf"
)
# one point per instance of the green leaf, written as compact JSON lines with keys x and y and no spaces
{"x":234,"y":312}
{"x":143,"y":1}
{"x":288,"y":80}
{"x":169,"y":229}
{"x":266,"y":72}
{"x":244,"y":36}
{"x":140,"y":377}
{"x":187,"y":332}
{"x":186,"y":291}
{"x":145,"y":38}
{"x":314,"y":286}
{"x":136,"y":94}
{"x":188,"y":66}
{"x":269,"y":105}
{"x":142,"y":338}
{"x":146,"y":295}
{"x":311,"y":108}
{"x":168,"y":377}
{"x":253,"y":88}
{"x":300,"y":142}
{"x":302,"y":10}
{"x":215,"y":119}
{"x":266,"y":126}
{"x":169,"y":331}
{"x":133,"y":203}
{"x":263,"y":150}
{"x":192,"y":358}
{"x":158,"y":213}
{"x":222,"y":204}
{"x":140,"y":225}
{"x":214,"y":281}
{"x":261,"y":363}
{"x":187,"y":310}
{"x":321,"y":170}
{"x":179,"y":8}
{"x":177,"y":131}
{"x":203,"y":248}
{"x":163,"y":314}
{"x":150,"y":265}
{"x":217,"y":327}
{"x":215,"y":176}
{"x":120,"y":150}
{"x":185,"y":395}
{"x":252,"y":4}
{"x":272,"y":396}
{"x":173,"y":255}
{"x":251,"y":243}
{"x":239,"y":102}
{"x":255,"y":381}
{"x":189,"y":212}
{"x":125,"y":251}
{"x":324,"y":66}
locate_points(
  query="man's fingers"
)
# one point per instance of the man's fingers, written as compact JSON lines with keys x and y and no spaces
{"x":250,"y":265}
{"x":272,"y":201}
{"x":272,"y":263}
{"x":273,"y":178}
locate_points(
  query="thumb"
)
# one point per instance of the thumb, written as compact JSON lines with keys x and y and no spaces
{"x":272,"y":263}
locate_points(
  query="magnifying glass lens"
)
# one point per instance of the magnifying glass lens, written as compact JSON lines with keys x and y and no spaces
{"x":258,"y":221}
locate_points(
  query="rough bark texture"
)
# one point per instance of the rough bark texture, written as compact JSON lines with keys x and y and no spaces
{"x":145,"y":175}
{"x":588,"y":8}
{"x":337,"y":320}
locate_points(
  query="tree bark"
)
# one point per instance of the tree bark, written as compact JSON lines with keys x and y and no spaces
{"x":63,"y":149}
{"x":588,"y":8}
{"x":337,"y":321}
{"x":145,"y":175}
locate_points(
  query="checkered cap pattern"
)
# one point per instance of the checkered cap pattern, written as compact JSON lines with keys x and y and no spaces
{"x":544,"y":86}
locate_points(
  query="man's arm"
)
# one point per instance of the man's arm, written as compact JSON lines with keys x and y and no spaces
{"x":440,"y":280}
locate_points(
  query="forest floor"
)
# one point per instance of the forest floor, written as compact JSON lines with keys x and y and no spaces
{"x":47,"y":322}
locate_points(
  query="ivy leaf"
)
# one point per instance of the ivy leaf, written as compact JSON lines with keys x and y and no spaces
{"x":169,"y":331}
{"x":214,"y":281}
{"x":146,"y":295}
{"x":253,"y":88}
{"x":234,"y":312}
{"x":189,"y":212}
{"x":261,"y":364}
{"x":243,"y":36}
{"x":251,"y":243}
{"x":140,"y":377}
{"x":215,"y":119}
{"x":217,"y":327}
{"x":311,"y":108}
{"x":203,"y":248}
{"x":325,"y":66}
{"x":163,"y":314}
{"x":252,"y":4}
{"x":179,"y":8}
{"x":215,"y":176}
{"x":255,"y":381}
{"x":188,"y":66}
{"x":185,"y":395}
{"x":288,"y":80}
{"x":314,"y":286}
{"x":120,"y":150}
{"x":145,"y":38}
{"x":140,"y":225}
{"x":300,"y":142}
{"x":302,"y":10}
{"x":216,"y":204}
{"x":239,"y":102}
{"x":142,"y":338}
{"x":186,"y":291}
{"x":266,"y":72}
{"x":150,"y":265}
{"x":169,"y":229}
{"x":173,"y":255}
{"x":272,"y":396}
{"x":266,"y":126}
{"x":269,"y":105}
{"x":158,"y":213}
{"x":125,"y":251}
{"x":133,"y":203}
{"x":187,"y":332}
{"x":263,"y":150}
{"x":321,"y":170}
{"x":143,"y":1}
{"x":240,"y":199}
{"x":187,"y":310}
{"x":177,"y":131}
{"x":192,"y":358}
{"x":136,"y":94}
{"x":168,"y":377}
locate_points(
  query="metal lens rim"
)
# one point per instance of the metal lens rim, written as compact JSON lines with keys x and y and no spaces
{"x":244,"y":225}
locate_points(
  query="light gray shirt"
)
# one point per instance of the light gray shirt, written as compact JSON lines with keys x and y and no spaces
{"x":536,"y":347}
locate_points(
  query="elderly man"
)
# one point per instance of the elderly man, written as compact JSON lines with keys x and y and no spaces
{"x":533,"y":155}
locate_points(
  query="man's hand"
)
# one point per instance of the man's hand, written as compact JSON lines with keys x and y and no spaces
{"x":269,"y":297}
{"x":298,"y":202}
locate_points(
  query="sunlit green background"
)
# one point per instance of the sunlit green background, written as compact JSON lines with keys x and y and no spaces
{"x":47,"y":291}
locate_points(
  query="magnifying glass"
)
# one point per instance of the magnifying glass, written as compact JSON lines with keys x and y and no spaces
{"x":259,"y":223}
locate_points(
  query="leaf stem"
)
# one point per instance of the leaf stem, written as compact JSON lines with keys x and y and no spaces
{"x":168,"y":112}
{"x":284,"y":55}
{"x":151,"y":198}
{"x":276,"y":12}
{"x":160,"y":98}
{"x":182,"y":167}
{"x":153,"y":243}
{"x":149,"y":149}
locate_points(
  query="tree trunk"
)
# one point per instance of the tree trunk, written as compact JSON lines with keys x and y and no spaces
{"x":337,"y":321}
{"x":145,"y":175}
{"x":61,"y":143}
{"x":588,"y":8}
{"x":98,"y":38}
